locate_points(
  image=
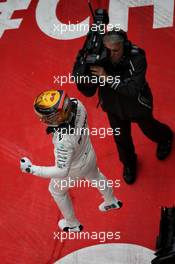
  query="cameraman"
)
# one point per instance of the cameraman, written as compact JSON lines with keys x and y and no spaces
{"x":129,"y":100}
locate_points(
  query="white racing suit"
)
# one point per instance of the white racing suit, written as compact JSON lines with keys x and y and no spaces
{"x":75,"y":159}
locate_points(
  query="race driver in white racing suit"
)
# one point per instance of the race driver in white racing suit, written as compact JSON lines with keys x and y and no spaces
{"x":75,"y":158}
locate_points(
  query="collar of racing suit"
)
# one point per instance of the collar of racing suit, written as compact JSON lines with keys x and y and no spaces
{"x":66,"y":125}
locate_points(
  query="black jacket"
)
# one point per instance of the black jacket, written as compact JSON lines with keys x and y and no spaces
{"x":131,"y":99}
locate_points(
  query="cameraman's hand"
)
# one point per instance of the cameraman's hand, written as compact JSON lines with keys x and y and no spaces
{"x":98,"y":70}
{"x":25,"y":165}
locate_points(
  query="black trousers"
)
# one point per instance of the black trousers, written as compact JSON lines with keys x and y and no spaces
{"x":153,"y":129}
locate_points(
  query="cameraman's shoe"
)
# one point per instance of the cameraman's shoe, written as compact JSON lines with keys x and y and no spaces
{"x":164,"y":148}
{"x":129,"y":172}
{"x":104,"y":207}
{"x":66,"y":227}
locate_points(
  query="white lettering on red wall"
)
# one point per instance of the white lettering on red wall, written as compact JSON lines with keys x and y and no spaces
{"x":48,"y":21}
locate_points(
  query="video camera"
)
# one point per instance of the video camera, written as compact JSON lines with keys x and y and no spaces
{"x":93,"y":51}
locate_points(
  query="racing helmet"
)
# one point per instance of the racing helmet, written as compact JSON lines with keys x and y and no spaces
{"x":52,"y":106}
